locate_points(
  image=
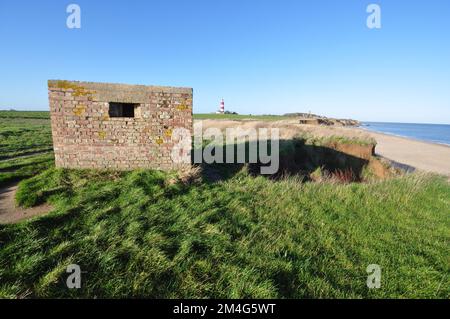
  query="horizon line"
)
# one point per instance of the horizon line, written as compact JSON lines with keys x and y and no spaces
{"x":362,"y":121}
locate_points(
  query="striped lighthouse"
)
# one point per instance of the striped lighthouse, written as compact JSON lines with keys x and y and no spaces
{"x":222,"y":107}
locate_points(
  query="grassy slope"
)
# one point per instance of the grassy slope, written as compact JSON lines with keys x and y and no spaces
{"x":137,"y":234}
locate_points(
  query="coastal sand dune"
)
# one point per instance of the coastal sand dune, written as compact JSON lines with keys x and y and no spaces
{"x":407,"y":153}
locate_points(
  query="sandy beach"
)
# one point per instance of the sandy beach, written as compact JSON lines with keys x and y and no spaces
{"x":404,"y":152}
{"x":420,"y":155}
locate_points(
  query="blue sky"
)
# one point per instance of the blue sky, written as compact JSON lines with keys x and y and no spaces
{"x":262,"y":57}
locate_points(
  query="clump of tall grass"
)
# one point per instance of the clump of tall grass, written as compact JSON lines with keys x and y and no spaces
{"x":317,"y":140}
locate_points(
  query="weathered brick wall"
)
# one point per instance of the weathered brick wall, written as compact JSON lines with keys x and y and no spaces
{"x":84,"y":136}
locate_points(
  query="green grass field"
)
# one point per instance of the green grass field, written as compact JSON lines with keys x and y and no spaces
{"x":25,"y":144}
{"x":25,"y":114}
{"x":213,"y":116}
{"x":149,"y":234}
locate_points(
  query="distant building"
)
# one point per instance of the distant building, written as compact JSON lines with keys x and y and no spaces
{"x":221,"y":107}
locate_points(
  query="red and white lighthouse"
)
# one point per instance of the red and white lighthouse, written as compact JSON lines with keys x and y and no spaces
{"x":222,"y":107}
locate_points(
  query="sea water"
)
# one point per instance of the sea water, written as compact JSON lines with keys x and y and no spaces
{"x":434,"y":133}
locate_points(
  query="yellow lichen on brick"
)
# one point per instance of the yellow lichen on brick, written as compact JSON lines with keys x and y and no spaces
{"x":78,"y":90}
{"x":102,"y":135}
{"x":159,"y":141}
{"x":182,"y":107}
{"x":79,"y":109}
{"x":168,"y":133}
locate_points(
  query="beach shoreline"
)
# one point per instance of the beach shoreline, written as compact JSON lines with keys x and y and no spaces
{"x":418,"y":154}
{"x":365,"y":129}
{"x":402,"y":137}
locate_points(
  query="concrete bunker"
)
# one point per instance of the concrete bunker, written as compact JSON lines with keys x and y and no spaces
{"x":117,"y":126}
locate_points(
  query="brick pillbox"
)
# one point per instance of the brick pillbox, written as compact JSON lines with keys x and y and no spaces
{"x":117,"y":126}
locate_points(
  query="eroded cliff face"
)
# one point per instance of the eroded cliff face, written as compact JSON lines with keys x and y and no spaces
{"x":317,"y":153}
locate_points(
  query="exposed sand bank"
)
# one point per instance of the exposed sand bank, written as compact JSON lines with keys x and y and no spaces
{"x":407,"y":153}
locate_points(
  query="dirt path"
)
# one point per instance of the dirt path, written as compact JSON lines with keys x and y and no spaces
{"x":9,"y":213}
